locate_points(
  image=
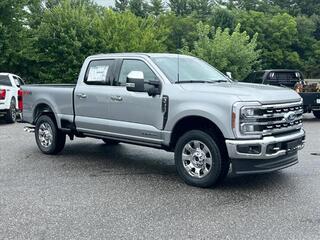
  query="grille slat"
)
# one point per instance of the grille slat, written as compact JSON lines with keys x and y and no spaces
{"x":275,"y":119}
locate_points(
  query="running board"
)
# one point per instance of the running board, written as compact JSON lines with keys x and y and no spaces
{"x":29,"y":129}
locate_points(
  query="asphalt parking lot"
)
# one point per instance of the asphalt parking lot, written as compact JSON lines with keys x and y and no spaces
{"x":94,"y":191}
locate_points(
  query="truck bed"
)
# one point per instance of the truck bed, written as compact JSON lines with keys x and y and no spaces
{"x":55,"y":96}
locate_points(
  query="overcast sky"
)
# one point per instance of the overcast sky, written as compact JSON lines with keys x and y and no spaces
{"x":105,"y":2}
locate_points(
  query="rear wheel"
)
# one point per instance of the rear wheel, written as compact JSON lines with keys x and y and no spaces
{"x":11,"y":115}
{"x":110,"y":142}
{"x":316,"y":114}
{"x":49,"y":138}
{"x":199,"y":160}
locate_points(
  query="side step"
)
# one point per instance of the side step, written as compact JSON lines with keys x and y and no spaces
{"x":29,"y":129}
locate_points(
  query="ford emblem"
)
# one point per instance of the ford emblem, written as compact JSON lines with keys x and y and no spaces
{"x":290,"y":117}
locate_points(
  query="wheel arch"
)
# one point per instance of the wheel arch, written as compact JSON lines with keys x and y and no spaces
{"x":195,"y":122}
{"x":43,"y":109}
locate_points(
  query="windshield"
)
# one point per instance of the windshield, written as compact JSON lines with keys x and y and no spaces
{"x":188,"y":69}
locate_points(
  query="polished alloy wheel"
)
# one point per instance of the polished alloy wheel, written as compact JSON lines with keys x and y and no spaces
{"x":197,"y":159}
{"x":45,"y":134}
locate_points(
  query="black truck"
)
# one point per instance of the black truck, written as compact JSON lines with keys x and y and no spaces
{"x":293,"y":79}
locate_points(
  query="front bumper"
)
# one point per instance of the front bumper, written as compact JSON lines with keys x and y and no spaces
{"x":271,"y":153}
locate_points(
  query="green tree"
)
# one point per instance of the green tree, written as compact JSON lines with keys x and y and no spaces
{"x":277,"y":36}
{"x":202,"y":8}
{"x":13,"y":35}
{"x":182,"y":30}
{"x":69,"y":33}
{"x":179,"y":7}
{"x":139,"y":8}
{"x":121,"y":5}
{"x":234,"y":52}
{"x":223,"y":18}
{"x":156,"y":7}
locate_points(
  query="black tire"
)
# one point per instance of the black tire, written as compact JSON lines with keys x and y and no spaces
{"x":316,"y":114}
{"x":219,"y":167}
{"x":110,"y":142}
{"x":58,"y":137}
{"x":11,"y":115}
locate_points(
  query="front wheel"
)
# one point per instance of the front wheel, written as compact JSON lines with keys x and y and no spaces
{"x":49,"y":138}
{"x":198,"y":159}
{"x":316,"y":114}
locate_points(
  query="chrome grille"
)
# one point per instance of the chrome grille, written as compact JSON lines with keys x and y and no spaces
{"x":276,"y":119}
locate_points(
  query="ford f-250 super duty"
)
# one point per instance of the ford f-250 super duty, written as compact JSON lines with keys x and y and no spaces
{"x":174,"y":102}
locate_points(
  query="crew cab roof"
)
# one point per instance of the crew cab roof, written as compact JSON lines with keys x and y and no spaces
{"x":137,"y":55}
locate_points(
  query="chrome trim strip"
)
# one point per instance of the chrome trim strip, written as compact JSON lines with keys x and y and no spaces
{"x":234,"y":154}
{"x":119,"y":135}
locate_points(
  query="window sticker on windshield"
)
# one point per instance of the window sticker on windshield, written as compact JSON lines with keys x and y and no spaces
{"x":98,"y":73}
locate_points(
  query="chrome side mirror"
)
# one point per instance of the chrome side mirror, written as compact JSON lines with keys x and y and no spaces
{"x":135,"y":81}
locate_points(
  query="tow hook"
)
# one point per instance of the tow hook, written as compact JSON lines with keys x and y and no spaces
{"x":29,"y":129}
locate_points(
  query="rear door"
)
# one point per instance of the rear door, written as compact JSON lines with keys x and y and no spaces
{"x":91,"y":95}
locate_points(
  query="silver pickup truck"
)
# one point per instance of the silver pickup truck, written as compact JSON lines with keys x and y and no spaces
{"x":174,"y":102}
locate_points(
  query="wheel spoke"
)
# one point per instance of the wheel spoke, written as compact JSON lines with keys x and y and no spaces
{"x":189,"y":148}
{"x":186,"y":157}
{"x":196,"y":144}
{"x":197,"y":172}
{"x":196,"y":159}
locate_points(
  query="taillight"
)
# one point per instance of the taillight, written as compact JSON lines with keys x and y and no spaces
{"x":3,"y":94}
{"x":20,"y":99}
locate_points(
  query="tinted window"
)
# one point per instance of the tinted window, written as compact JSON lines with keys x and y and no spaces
{"x":18,"y":81}
{"x":249,"y":78}
{"x":98,"y":72}
{"x":5,"y":81}
{"x":258,"y":77}
{"x":134,"y":65}
{"x":288,"y":79}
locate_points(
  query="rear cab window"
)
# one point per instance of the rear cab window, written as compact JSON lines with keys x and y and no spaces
{"x":5,"y":81}
{"x":285,"y":78}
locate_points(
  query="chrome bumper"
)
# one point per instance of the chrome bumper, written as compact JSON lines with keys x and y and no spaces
{"x":232,"y":146}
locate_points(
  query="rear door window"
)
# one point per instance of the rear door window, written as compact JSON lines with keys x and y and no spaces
{"x":99,"y":72}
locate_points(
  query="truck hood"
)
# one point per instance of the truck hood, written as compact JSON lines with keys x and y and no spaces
{"x":265,"y":94}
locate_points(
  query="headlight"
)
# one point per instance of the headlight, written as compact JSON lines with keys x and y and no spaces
{"x":244,"y":119}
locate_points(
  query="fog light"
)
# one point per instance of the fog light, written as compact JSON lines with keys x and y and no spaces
{"x":273,"y":148}
{"x":249,"y":149}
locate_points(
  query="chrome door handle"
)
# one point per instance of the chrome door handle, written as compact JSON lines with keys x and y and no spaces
{"x":116,"y":98}
{"x":81,"y":95}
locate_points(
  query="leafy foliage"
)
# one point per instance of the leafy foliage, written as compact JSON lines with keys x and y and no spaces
{"x":234,"y":52}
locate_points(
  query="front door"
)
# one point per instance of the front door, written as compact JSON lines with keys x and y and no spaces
{"x":135,"y":115}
